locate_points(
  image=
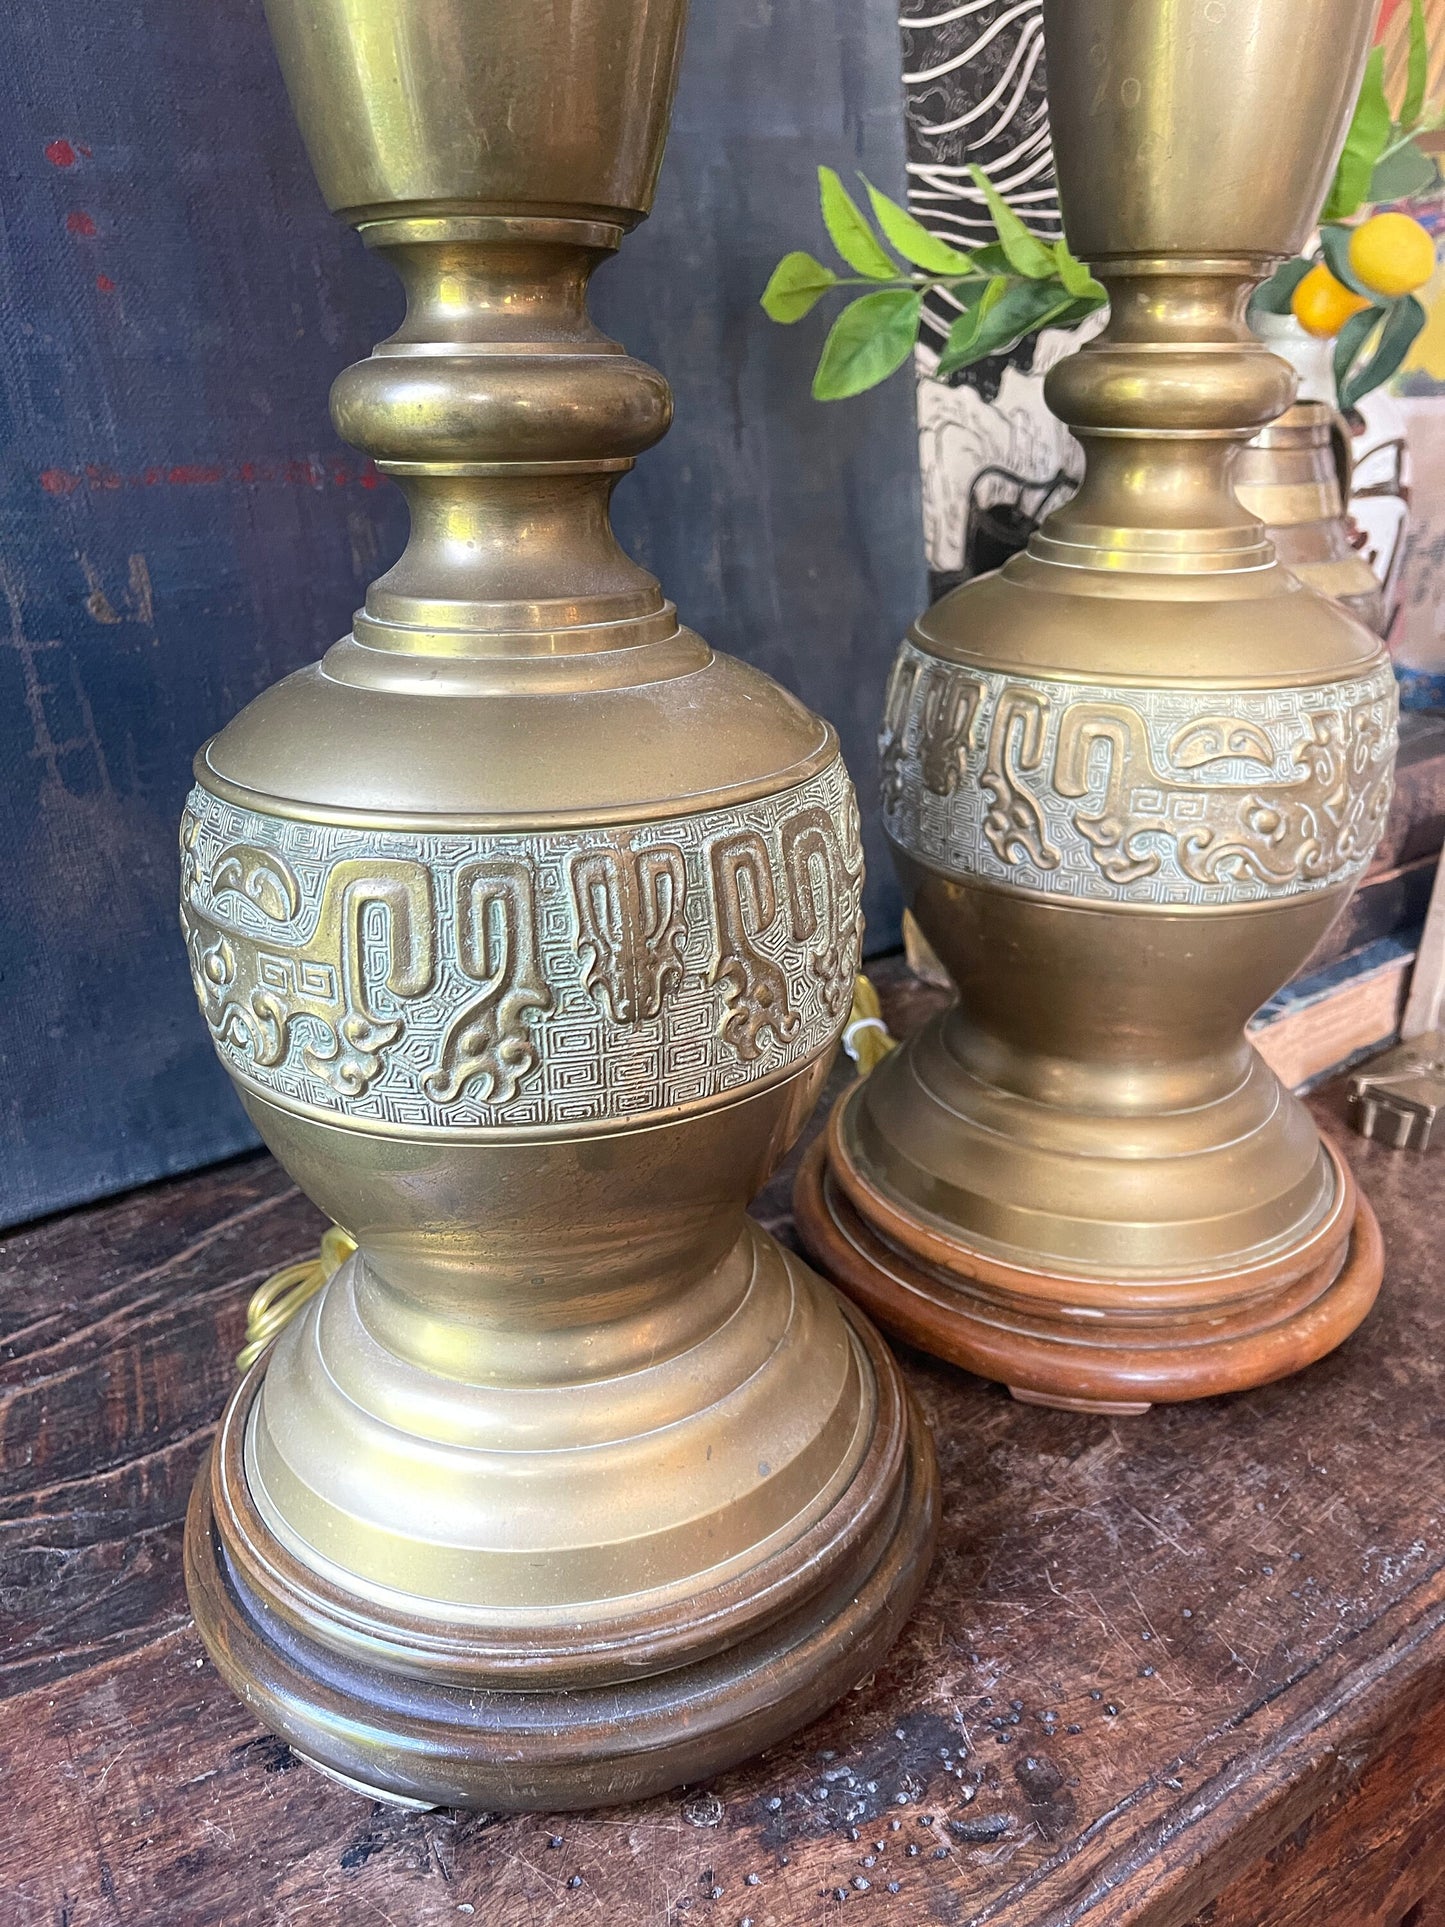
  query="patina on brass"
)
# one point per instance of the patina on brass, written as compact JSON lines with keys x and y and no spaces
{"x":1129,"y":780}
{"x":526,"y":926}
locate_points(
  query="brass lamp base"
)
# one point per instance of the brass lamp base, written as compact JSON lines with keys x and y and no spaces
{"x":1088,"y":1343}
{"x":551,"y":1709}
{"x":527,"y":926}
{"x":1129,"y":780}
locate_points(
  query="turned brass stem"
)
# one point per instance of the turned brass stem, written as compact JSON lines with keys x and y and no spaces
{"x":507,"y":418}
{"x":1162,"y":401}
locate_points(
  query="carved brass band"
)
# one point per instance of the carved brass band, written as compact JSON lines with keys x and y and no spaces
{"x":472,"y":981}
{"x":1136,"y":795}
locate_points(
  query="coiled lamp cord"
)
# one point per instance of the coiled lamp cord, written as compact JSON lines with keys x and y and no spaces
{"x":866,"y":1038}
{"x":274,"y":1304}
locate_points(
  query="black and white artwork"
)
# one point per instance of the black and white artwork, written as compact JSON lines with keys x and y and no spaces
{"x":991,"y":453}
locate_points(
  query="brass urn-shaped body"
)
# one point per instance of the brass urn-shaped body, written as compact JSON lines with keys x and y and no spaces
{"x":526,"y":926}
{"x":1129,"y":780}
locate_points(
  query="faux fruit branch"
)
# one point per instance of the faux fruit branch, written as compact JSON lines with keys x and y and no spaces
{"x":1359,"y":286}
{"x":1007,"y":289}
{"x":1361,"y":292}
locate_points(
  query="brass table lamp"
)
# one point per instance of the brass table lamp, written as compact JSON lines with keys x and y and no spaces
{"x":526,"y":926}
{"x":1129,"y":780}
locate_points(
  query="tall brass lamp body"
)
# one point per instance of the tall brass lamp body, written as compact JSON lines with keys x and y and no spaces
{"x":526,"y":926}
{"x":1129,"y":780}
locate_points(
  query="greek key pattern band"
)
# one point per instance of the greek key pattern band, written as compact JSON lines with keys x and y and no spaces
{"x":1155,"y":796}
{"x":472,"y":981}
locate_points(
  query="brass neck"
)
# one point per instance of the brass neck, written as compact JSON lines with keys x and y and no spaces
{"x":1163,"y":400}
{"x":506,"y":417}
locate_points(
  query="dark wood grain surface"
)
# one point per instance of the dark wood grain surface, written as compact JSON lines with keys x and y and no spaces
{"x":1184,"y":1667}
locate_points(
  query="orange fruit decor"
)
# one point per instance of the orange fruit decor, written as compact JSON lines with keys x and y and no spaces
{"x":1392,"y":254}
{"x":1321,"y":304}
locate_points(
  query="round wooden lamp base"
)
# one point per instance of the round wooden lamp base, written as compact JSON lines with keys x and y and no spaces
{"x":1027,"y":1329}
{"x":420,"y":1715}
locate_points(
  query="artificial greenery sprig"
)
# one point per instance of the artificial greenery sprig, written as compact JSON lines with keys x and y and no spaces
{"x":1007,"y":289}
{"x":1021,"y":283}
{"x":1382,"y":160}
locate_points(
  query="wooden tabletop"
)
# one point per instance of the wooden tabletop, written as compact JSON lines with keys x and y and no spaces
{"x":1186,"y":1666}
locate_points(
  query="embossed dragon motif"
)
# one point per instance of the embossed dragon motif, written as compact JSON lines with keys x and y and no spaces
{"x":491,"y":1041}
{"x":1014,"y":824}
{"x":631,"y":925}
{"x":823,"y":896}
{"x":754,"y":987}
{"x":935,"y":704}
{"x":465,"y":980}
{"x":376,"y":918}
{"x":1273,"y":832}
{"x":1258,"y":793}
{"x":947,"y":705}
{"x":898,"y":713}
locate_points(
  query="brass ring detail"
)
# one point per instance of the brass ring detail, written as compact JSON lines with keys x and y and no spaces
{"x":850,"y":1535}
{"x":1126,"y":1297}
{"x":964,"y":1314}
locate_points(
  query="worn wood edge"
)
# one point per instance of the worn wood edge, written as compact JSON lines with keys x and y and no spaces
{"x":1183,"y":1852}
{"x":1372,"y":1851}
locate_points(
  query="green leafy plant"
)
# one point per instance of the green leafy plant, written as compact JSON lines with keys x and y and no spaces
{"x":1382,"y":162}
{"x":1008,"y":289}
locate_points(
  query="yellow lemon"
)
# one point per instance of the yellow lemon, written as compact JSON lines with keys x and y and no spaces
{"x":1323,"y":305}
{"x":1392,"y":254}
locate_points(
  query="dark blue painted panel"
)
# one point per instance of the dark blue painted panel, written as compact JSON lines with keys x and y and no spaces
{"x":788,"y":531}
{"x":179,"y":526}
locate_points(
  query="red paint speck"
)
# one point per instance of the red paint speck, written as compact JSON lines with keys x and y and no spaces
{"x":79,"y":222}
{"x":105,"y":284}
{"x":61,"y":154}
{"x":300,"y":472}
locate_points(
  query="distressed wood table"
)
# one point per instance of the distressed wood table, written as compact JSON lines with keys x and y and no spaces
{"x":1184,"y":1668}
